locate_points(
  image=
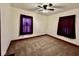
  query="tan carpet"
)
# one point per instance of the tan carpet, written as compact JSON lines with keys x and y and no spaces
{"x":42,"y":46}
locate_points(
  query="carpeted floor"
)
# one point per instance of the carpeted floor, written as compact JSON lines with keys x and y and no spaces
{"x":42,"y":46}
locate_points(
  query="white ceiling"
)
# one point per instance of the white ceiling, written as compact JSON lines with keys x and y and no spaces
{"x":33,"y":7}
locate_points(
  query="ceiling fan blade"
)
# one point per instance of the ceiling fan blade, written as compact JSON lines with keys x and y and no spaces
{"x":51,"y":9}
{"x":40,"y":6}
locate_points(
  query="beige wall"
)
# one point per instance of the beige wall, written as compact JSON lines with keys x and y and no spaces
{"x":53,"y":24}
{"x":39,"y":23}
{"x":6,"y":27}
{"x":10,"y":19}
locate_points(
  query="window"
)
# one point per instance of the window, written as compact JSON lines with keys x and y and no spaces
{"x":66,"y":26}
{"x":26,"y":24}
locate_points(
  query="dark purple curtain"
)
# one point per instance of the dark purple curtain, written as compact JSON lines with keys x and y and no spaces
{"x":66,"y":26}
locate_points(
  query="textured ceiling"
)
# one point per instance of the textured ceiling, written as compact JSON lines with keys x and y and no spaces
{"x":33,"y":7}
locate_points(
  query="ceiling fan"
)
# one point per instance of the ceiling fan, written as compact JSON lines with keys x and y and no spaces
{"x":47,"y":7}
